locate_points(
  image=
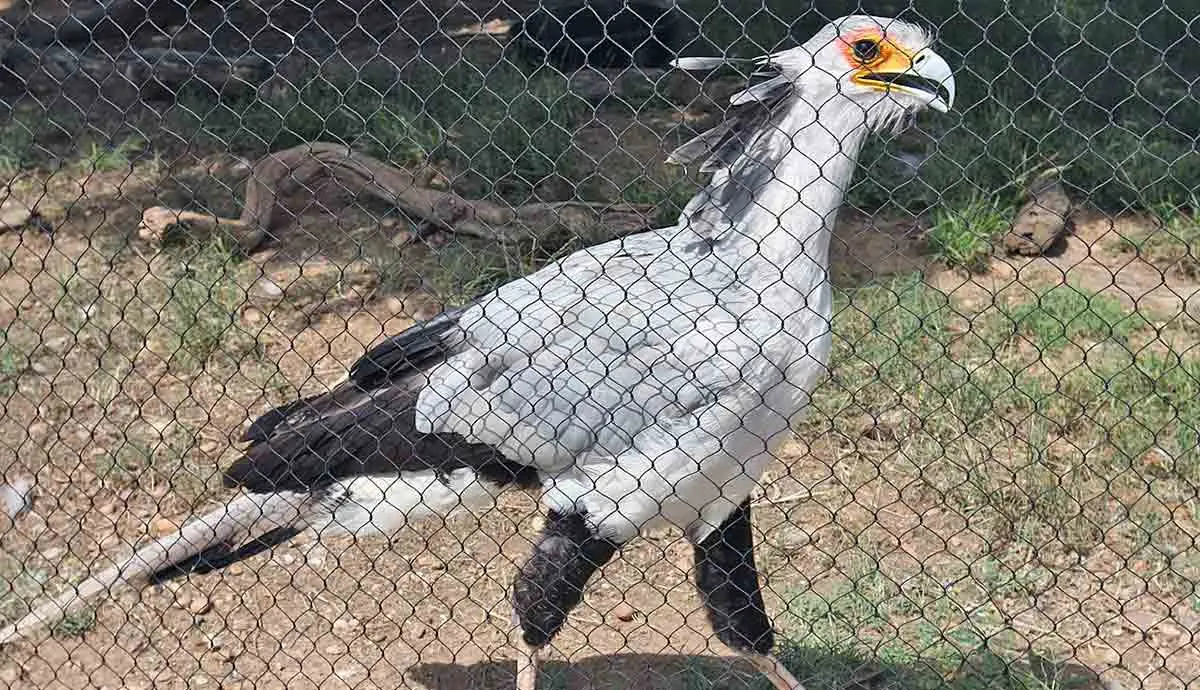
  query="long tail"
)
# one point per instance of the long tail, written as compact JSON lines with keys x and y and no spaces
{"x":256,"y":520}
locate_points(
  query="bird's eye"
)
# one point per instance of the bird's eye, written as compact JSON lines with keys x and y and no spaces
{"x":866,"y":50}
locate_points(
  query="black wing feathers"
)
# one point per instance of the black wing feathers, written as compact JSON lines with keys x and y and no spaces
{"x":367,"y":424}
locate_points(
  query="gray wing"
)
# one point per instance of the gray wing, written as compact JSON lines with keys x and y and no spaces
{"x":581,"y":358}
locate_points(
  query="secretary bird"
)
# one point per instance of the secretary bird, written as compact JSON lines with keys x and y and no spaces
{"x":644,"y":381}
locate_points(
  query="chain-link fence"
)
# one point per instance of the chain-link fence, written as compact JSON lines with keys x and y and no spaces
{"x":950,"y":440}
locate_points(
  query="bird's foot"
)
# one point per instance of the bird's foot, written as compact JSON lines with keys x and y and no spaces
{"x":771,"y":667}
{"x":527,"y":666}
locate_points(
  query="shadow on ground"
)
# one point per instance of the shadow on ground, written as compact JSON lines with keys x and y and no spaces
{"x":816,"y":669}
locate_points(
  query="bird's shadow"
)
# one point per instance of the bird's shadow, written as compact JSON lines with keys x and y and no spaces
{"x":816,"y":669}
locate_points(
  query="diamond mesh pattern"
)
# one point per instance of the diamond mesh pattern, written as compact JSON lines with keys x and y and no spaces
{"x":995,"y":484}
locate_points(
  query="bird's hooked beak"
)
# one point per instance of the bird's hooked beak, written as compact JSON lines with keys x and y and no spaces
{"x":924,"y":75}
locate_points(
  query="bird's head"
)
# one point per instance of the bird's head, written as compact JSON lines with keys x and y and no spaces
{"x":886,"y":66}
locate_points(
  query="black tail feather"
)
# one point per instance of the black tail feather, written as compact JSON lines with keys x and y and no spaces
{"x":223,"y":555}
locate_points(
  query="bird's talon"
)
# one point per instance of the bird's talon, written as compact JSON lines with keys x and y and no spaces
{"x":527,"y":667}
{"x":774,"y":670}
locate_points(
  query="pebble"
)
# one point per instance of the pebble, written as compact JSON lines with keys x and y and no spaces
{"x":16,"y":498}
{"x":235,"y":569}
{"x":335,"y":649}
{"x":269,"y":288}
{"x":161,"y":527}
{"x":10,"y":674}
{"x":199,"y":604}
{"x":253,"y":316}
{"x":624,"y":612}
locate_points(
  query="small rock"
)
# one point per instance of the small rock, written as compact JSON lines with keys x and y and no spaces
{"x":10,"y":673}
{"x":253,"y":316}
{"x":235,"y":569}
{"x":1040,"y":223}
{"x":402,"y":239}
{"x":199,"y":605}
{"x":14,"y":217}
{"x":377,"y":634}
{"x":335,"y":649}
{"x":16,"y":498}
{"x":38,"y":431}
{"x":624,"y":612}
{"x":269,"y":288}
{"x":161,"y":527}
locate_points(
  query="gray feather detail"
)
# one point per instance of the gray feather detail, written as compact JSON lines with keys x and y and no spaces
{"x":762,"y":92}
{"x":701,"y":64}
{"x":701,"y":146}
{"x":722,"y":144}
{"x":751,"y":110}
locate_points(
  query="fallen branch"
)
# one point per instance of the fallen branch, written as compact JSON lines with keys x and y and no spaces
{"x":292,"y":171}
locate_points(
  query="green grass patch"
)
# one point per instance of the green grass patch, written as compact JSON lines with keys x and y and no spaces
{"x":868,"y":628}
{"x":1065,"y":314}
{"x":963,"y":235}
{"x":112,"y":157}
{"x":18,"y":142}
{"x":12,"y":363}
{"x":668,"y":191}
{"x":76,"y":623}
{"x":1030,"y":445}
{"x":199,"y":319}
{"x":466,"y":269}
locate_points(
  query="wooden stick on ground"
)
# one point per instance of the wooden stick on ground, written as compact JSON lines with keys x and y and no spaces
{"x":291,"y":172}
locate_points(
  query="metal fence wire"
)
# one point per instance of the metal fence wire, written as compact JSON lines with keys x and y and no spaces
{"x":576,"y":344}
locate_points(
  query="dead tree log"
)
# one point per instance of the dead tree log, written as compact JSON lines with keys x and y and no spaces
{"x":293,"y":171}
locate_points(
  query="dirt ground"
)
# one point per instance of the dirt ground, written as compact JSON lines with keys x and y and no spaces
{"x":123,"y":440}
{"x":429,"y":609}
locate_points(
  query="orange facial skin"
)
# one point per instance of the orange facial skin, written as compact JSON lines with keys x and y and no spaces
{"x":890,"y":58}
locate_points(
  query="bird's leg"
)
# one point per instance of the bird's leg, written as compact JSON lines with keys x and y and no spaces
{"x":551,"y":583}
{"x":728,"y":580}
{"x":527,"y":658}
